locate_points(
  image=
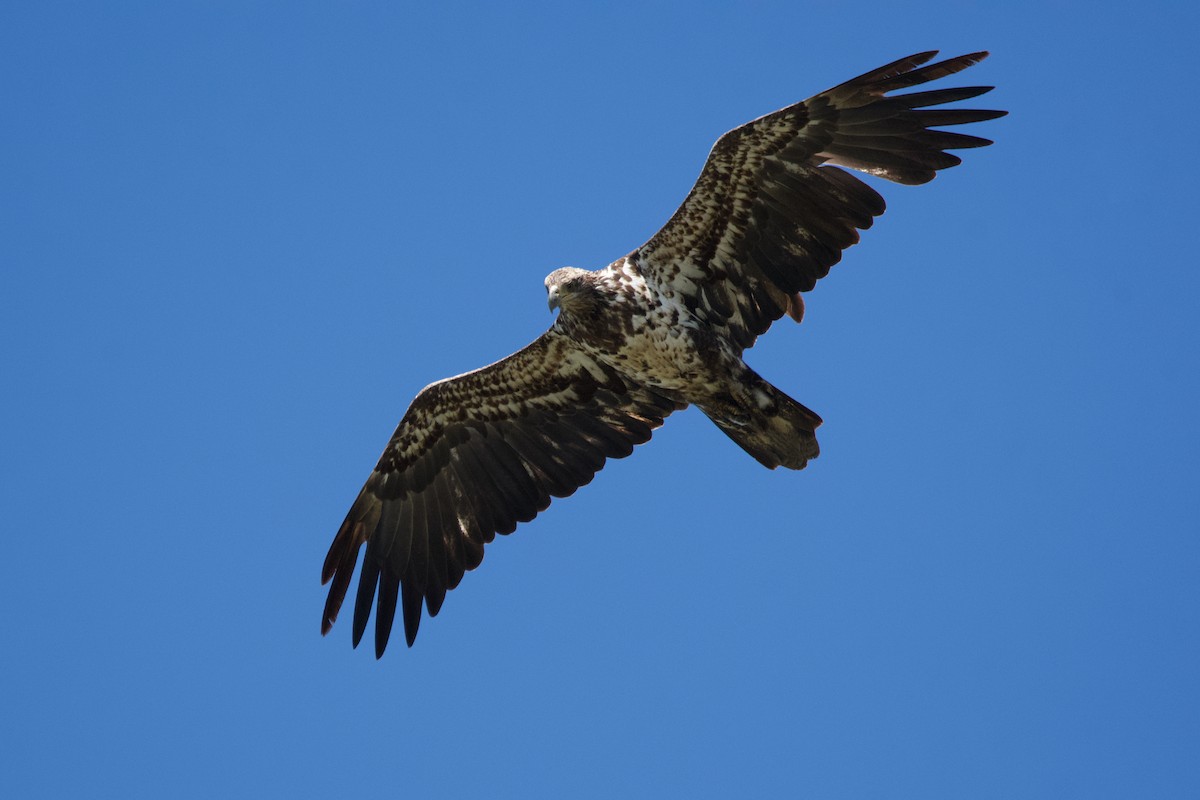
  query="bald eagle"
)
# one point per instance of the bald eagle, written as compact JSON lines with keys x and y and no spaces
{"x":656,"y":330}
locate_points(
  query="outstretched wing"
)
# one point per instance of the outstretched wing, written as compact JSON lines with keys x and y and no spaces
{"x":771,"y":213}
{"x":473,"y":456}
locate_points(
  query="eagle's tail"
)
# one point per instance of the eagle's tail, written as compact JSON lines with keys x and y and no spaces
{"x":769,"y":425}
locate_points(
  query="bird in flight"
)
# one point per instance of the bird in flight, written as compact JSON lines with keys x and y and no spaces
{"x":656,"y":330}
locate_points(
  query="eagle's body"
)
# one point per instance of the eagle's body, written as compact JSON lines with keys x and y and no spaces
{"x":657,"y":330}
{"x":617,"y":317}
{"x":626,"y":322}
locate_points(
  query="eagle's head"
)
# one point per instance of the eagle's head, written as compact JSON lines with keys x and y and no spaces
{"x":571,"y":289}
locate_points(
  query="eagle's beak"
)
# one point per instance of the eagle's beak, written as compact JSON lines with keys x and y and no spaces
{"x":552,"y":297}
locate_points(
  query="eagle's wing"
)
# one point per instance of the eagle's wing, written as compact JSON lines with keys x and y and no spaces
{"x":473,"y":456}
{"x":765,"y":219}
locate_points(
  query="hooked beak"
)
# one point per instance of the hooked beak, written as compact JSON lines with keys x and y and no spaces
{"x":552,"y":297}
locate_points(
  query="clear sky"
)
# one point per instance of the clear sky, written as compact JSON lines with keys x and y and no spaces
{"x":237,"y":238}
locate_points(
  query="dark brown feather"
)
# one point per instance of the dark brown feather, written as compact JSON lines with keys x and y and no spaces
{"x":385,"y":609}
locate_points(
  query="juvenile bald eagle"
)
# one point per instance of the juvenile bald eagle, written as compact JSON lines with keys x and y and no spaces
{"x":653,"y":332}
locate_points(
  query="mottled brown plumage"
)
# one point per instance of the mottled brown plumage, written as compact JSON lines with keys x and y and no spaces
{"x":657,"y":330}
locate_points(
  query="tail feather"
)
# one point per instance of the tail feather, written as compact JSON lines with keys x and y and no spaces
{"x":777,"y":431}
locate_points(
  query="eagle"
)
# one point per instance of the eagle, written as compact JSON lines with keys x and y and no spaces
{"x":655,"y":331}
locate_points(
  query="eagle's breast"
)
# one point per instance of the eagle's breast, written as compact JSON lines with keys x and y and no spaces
{"x":651,"y":338}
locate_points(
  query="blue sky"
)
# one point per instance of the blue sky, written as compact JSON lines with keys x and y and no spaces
{"x":237,"y":238}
